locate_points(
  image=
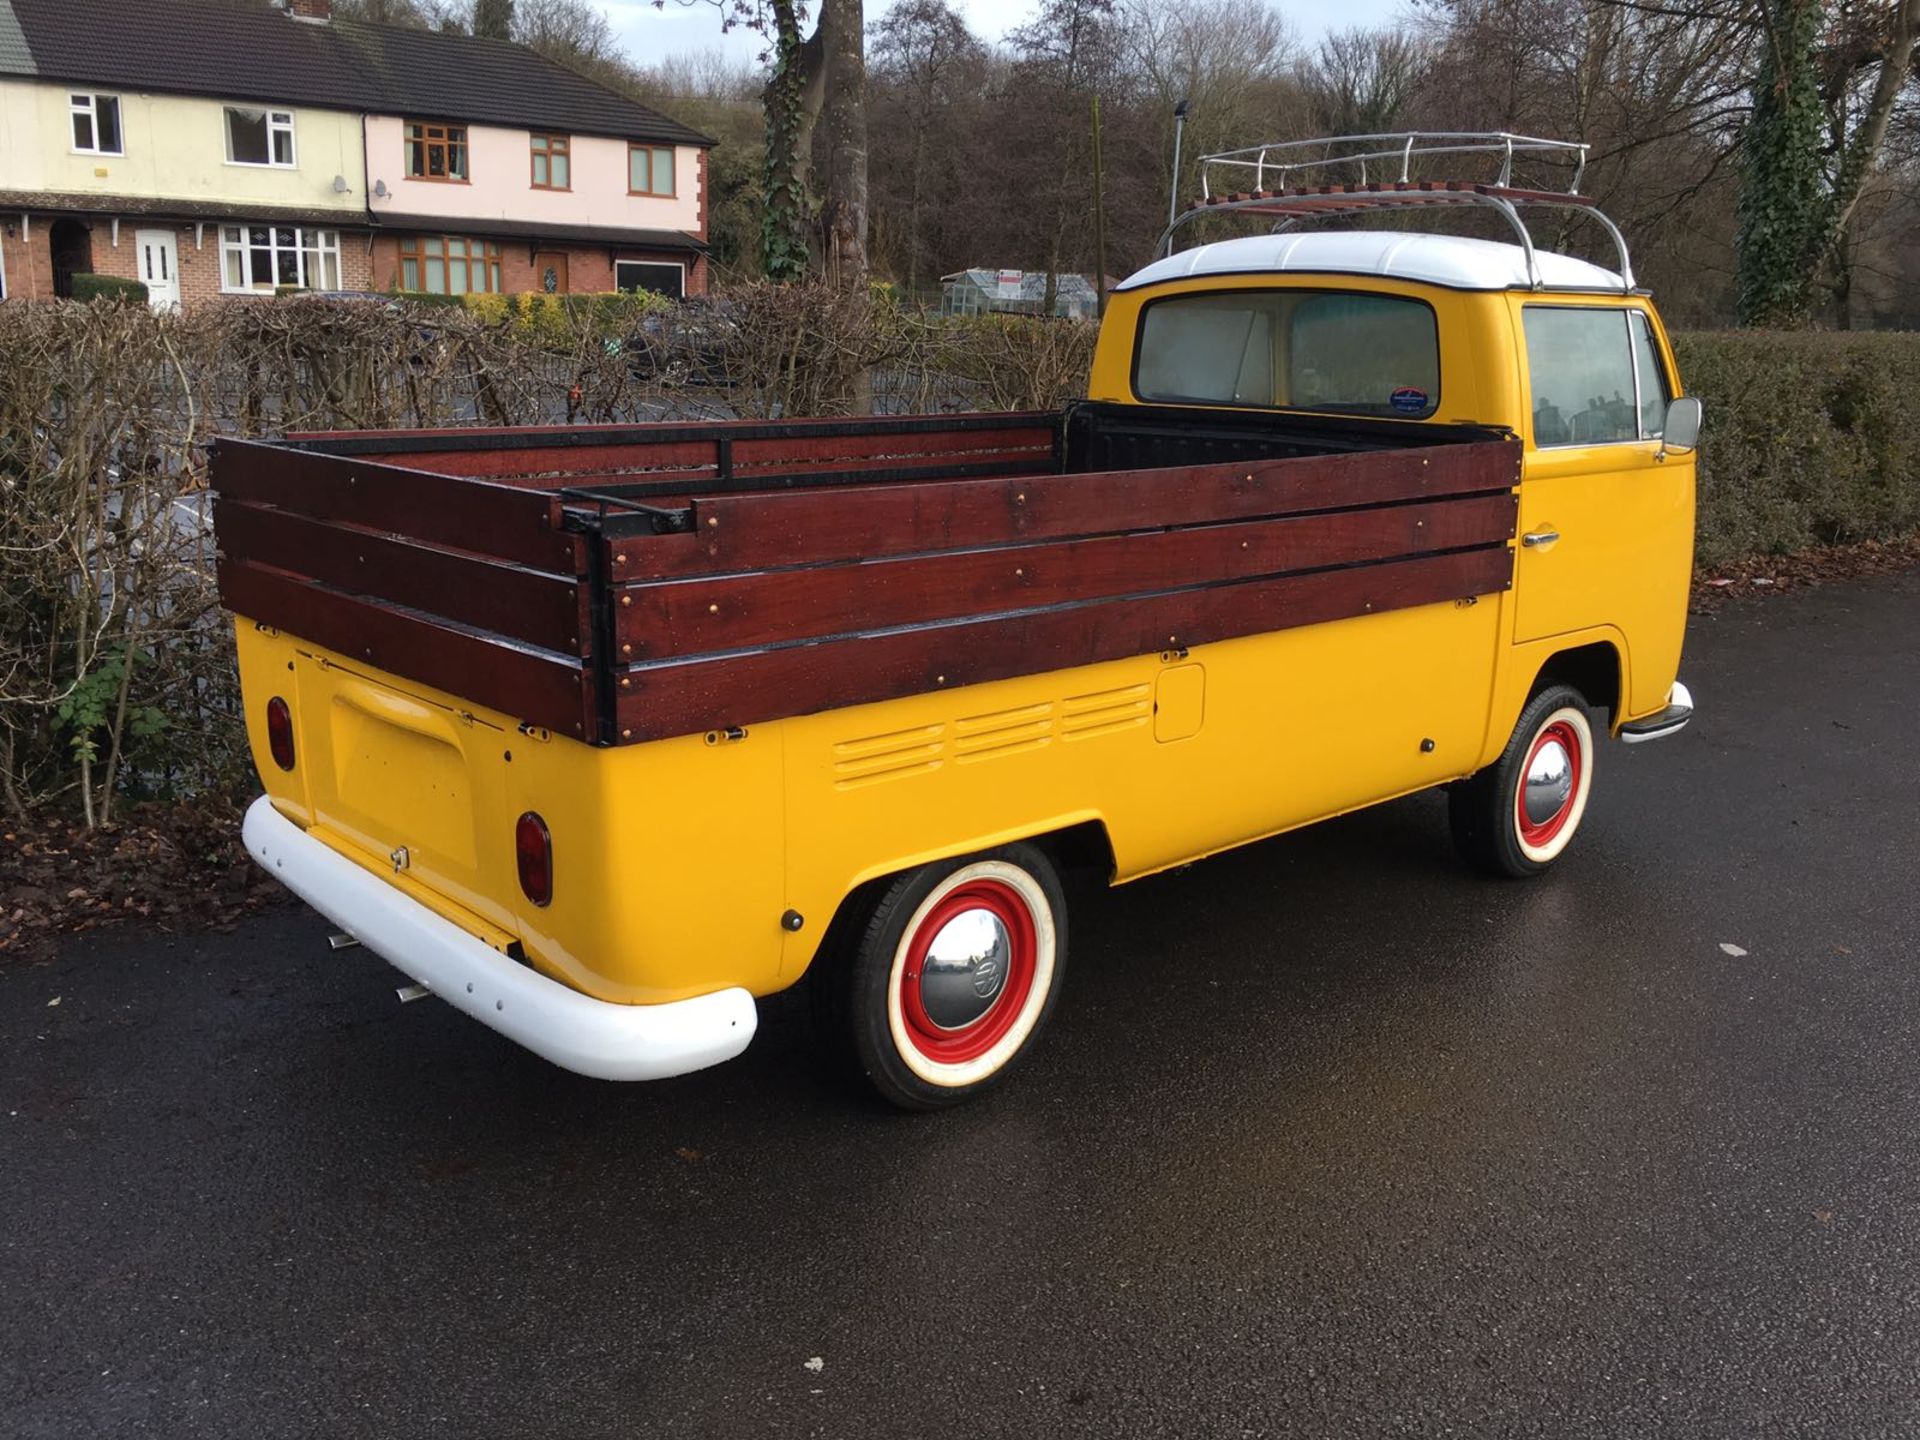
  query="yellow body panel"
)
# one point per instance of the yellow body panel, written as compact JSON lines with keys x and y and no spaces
{"x":675,"y":861}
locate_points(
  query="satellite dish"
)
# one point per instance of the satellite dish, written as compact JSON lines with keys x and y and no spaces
{"x":380,"y":191}
{"x":340,"y":186}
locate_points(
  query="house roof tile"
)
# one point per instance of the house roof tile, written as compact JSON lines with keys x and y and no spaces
{"x":249,"y":50}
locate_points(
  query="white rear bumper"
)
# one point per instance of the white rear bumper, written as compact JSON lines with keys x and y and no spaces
{"x":574,"y":1031}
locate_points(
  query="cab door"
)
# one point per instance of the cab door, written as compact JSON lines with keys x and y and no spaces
{"x":1606,"y":521}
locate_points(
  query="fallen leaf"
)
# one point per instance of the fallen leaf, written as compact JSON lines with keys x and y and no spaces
{"x":53,"y":1002}
{"x":1733,"y":950}
{"x":685,"y":1154}
{"x":1825,"y":1217}
{"x":816,"y":1364}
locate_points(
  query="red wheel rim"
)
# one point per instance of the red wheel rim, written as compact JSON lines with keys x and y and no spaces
{"x":1539,"y":834}
{"x":950,"y":1046}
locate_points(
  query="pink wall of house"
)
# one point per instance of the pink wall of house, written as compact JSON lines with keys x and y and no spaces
{"x":501,"y":185}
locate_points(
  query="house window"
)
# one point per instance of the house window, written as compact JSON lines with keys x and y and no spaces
{"x":649,"y":170}
{"x":259,"y":137}
{"x":551,"y":166}
{"x":449,"y":265}
{"x":258,"y":259}
{"x":662,"y":279}
{"x":436,"y":152}
{"x":96,"y":124}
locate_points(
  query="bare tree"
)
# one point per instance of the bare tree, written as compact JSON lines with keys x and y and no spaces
{"x":1232,"y":60}
{"x":1360,"y":82}
{"x":927,"y":66}
{"x":574,"y":32}
{"x":493,"y":19}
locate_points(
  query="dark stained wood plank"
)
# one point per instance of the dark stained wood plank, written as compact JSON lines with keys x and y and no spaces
{"x":547,"y":450}
{"x":532,"y":685}
{"x":736,"y":612}
{"x":687,"y":696}
{"x":623,"y":464}
{"x":733,"y":533}
{"x":779,"y":454}
{"x":496,"y":520}
{"x":540,"y":608}
{"x":552,"y":468}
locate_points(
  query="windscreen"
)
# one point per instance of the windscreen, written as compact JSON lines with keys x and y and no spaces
{"x":1291,"y":349}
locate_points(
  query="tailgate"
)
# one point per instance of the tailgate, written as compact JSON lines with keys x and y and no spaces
{"x":414,"y":785}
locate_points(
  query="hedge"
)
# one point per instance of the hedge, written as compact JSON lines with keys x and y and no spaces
{"x":1810,"y":438}
{"x":108,"y":287}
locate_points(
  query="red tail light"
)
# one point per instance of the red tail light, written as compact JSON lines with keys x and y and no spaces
{"x":533,"y":849}
{"x":280,"y":732}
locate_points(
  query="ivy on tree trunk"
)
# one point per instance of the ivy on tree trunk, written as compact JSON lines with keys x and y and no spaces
{"x":792,"y":103}
{"x":1796,"y":197}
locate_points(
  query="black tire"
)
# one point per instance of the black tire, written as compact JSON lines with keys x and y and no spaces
{"x":1491,"y":830}
{"x":884,"y":1032}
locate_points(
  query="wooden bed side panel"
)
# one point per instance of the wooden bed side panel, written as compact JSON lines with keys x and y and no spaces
{"x":685,"y":696}
{"x":803,"y":527}
{"x":495,"y":520}
{"x":769,"y":607}
{"x":533,"y":685}
{"x":537,"y":607}
{"x":575,"y":454}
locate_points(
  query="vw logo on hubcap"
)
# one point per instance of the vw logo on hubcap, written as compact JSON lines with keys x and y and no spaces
{"x":965,"y":968}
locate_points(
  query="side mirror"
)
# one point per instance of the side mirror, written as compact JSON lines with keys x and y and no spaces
{"x":1681,"y":433}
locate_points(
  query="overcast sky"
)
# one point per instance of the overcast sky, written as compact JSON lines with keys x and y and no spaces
{"x":650,"y":33}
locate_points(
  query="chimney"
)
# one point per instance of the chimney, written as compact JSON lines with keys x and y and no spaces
{"x":318,"y":11}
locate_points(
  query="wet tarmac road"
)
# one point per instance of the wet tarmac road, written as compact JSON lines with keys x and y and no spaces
{"x":1328,"y":1138}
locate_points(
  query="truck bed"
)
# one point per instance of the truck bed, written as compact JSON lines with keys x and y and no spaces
{"x":626,"y":583}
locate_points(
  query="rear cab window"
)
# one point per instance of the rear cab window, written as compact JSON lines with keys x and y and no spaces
{"x":1595,"y":376}
{"x":1331,"y":351}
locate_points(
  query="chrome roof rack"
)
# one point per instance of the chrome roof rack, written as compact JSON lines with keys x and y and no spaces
{"x":1283,"y":176}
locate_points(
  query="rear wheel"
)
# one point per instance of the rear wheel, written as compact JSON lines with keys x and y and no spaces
{"x":942,"y":978}
{"x":1518,"y":816}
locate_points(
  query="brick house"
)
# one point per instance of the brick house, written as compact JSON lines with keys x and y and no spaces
{"x":218,"y":148}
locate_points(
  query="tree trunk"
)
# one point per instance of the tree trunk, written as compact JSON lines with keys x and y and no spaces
{"x":843,"y":117}
{"x":1871,"y":133}
{"x":791,"y":100}
{"x":1781,"y":199}
{"x":1793,"y":228}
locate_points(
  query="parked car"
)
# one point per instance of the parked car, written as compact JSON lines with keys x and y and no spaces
{"x":685,"y":345}
{"x":602,"y":733}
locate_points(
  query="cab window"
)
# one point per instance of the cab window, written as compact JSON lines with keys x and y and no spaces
{"x":1595,"y":376}
{"x":1291,"y":349}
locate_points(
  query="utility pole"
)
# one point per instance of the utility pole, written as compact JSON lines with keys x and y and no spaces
{"x":1173,"y":189}
{"x":1099,"y":219}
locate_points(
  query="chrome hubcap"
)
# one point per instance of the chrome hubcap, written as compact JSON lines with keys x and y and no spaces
{"x":965,"y":969}
{"x":1549,"y":783}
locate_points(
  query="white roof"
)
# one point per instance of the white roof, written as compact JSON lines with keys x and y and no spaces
{"x":1452,"y":260}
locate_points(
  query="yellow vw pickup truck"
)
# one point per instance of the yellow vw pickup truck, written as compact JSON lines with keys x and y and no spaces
{"x":601,"y":733}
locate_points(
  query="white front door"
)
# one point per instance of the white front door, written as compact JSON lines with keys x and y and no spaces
{"x":159,"y":267}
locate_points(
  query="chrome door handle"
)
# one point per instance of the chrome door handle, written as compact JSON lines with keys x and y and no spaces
{"x":1539,"y":537}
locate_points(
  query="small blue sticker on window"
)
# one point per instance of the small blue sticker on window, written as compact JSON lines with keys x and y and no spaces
{"x":1409,"y":401}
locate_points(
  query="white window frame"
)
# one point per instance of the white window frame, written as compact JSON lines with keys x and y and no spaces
{"x":91,"y":109}
{"x":279,"y":122}
{"x":234,"y":239}
{"x":680,"y":265}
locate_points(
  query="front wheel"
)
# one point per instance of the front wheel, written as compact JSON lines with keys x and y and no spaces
{"x":1517,"y":816}
{"x":945,"y":976}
